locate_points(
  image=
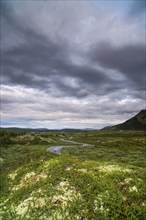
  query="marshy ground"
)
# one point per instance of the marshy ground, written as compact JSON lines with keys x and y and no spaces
{"x":103,"y":181}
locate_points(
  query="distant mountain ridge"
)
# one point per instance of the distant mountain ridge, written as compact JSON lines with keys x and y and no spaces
{"x":17,"y":129}
{"x":138,"y":122}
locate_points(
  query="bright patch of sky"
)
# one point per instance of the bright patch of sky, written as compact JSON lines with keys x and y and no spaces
{"x":119,"y":6}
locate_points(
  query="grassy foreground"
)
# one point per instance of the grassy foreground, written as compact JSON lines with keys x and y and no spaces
{"x":100,"y":182}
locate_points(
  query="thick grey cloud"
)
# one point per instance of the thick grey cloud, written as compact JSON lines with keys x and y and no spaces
{"x":128,"y":60}
{"x":137,"y":8}
{"x":68,"y":63}
{"x":41,"y":63}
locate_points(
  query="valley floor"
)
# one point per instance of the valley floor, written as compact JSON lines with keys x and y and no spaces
{"x":104,"y":181}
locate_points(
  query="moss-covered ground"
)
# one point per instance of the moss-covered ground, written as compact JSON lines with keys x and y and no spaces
{"x":106,"y":181}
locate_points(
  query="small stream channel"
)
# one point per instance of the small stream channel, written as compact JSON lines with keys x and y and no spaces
{"x":57,"y":149}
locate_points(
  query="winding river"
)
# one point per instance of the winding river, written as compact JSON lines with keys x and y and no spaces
{"x":57,"y":149}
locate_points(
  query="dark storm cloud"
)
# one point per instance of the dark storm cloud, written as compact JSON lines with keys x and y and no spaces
{"x":138,"y":7}
{"x":128,"y":59}
{"x":55,"y":66}
{"x":10,"y":19}
{"x":29,"y":63}
{"x":41,"y":62}
{"x":6,"y":11}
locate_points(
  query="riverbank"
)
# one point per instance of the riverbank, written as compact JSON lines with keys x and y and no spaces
{"x":57,"y":149}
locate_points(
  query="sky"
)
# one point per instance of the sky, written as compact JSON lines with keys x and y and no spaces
{"x":72,"y":64}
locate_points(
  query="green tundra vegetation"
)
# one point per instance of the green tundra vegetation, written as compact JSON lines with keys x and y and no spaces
{"x":104,"y":181}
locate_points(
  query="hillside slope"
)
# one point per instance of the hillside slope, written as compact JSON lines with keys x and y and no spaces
{"x":138,"y":122}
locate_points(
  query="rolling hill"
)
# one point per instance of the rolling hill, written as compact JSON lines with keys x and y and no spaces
{"x":138,"y":122}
